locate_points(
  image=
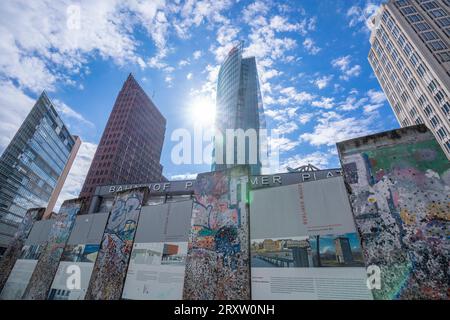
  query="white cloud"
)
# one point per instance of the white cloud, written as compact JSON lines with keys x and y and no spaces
{"x":282,"y":144}
{"x":226,"y":34}
{"x":282,"y":114}
{"x":322,"y":82}
{"x":257,"y":8}
{"x":183,"y":63}
{"x":67,"y":112}
{"x":376,"y":96}
{"x":14,"y":107}
{"x":291,"y":95}
{"x":343,"y":64}
{"x":285,"y":128}
{"x":197,"y":54}
{"x":333,"y":127}
{"x":169,"y":80}
{"x":305,"y":117}
{"x":318,"y":159}
{"x":189,"y":76}
{"x":186,"y":176}
{"x":358,"y":15}
{"x":78,"y":172}
{"x":311,"y":47}
{"x":352,"y":103}
{"x":326,"y":103}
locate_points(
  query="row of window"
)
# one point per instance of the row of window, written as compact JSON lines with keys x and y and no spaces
{"x":433,"y":119}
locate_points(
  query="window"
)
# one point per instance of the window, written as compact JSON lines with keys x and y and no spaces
{"x":414,"y":18}
{"x":429,"y":6}
{"x":429,"y":35}
{"x":434,"y":121}
{"x":439,"y":97}
{"x":428,"y":111}
{"x":438,"y":13}
{"x":444,"y":22}
{"x":408,"y":10}
{"x":442,"y":133}
{"x":432,"y":86}
{"x":446,"y":108}
{"x":402,"y":3}
{"x":444,"y":56}
{"x":437,"y":45}
{"x":422,"y":26}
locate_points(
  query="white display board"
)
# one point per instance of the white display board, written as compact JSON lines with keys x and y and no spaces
{"x":157,"y":265}
{"x":18,"y":279}
{"x":304,"y":243}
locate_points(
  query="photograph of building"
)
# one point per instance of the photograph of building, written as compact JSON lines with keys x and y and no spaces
{"x":308,"y":252}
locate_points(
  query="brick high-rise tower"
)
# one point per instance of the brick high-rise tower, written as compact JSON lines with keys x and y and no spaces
{"x":130,"y":147}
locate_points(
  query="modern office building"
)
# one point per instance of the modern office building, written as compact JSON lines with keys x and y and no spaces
{"x":410,"y":56}
{"x":130,"y":148}
{"x":34,"y":166}
{"x":239,"y":106}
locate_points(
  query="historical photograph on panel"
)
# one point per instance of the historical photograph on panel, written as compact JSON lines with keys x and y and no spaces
{"x":158,"y":258}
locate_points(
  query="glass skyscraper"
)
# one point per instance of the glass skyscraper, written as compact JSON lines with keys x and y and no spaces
{"x":239,"y":106}
{"x":33,"y":166}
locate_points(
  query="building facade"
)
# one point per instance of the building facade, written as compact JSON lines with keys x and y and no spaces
{"x":34,"y":166}
{"x":130,"y":148}
{"x":239,"y":106}
{"x":410,"y":56}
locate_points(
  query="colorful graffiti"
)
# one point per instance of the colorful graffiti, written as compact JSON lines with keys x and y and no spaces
{"x":399,"y":184}
{"x":46,"y":268}
{"x":111,"y":265}
{"x":217,"y":265}
{"x":13,"y":252}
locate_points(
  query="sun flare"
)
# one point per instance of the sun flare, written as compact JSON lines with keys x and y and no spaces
{"x":203,"y":111}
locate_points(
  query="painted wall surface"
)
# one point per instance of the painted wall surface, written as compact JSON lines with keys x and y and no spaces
{"x":112,"y":262}
{"x":14,"y":249}
{"x":47,"y":265}
{"x":217,"y":265}
{"x":399,"y":184}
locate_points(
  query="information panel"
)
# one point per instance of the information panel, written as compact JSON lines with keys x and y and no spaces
{"x":78,"y":257}
{"x":46,"y":268}
{"x":24,"y":267}
{"x":304,"y":243}
{"x":14,"y":249}
{"x":157,"y":265}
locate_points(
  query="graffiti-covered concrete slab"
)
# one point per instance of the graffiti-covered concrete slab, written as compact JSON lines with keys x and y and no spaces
{"x":47,"y":265}
{"x":217,"y":265}
{"x":399,"y":183}
{"x":112,"y":261}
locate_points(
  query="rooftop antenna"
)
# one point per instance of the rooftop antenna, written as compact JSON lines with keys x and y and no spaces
{"x":306,"y":168}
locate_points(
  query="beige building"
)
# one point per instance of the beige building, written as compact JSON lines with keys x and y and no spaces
{"x":410,"y":56}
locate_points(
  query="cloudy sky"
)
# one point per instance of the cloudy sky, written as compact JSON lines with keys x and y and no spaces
{"x":317,"y":85}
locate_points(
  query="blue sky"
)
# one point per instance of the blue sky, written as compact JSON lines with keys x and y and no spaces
{"x":317,"y":85}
